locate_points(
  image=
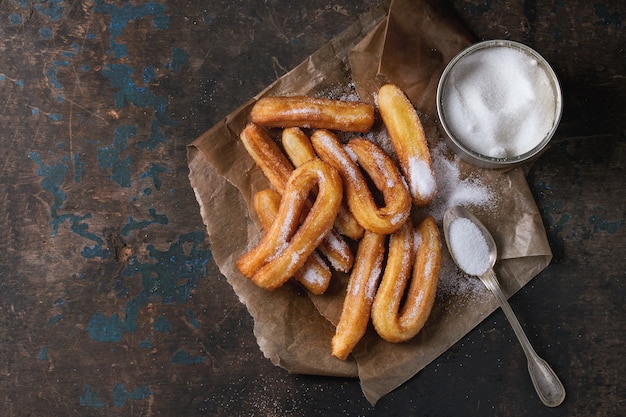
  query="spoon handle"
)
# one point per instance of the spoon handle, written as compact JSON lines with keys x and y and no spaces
{"x":547,"y":384}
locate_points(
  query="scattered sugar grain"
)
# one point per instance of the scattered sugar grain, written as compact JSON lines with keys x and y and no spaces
{"x":455,"y":284}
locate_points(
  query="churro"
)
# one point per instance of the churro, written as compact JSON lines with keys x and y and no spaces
{"x":355,"y":314}
{"x":382,"y":171}
{"x":285,"y":247}
{"x":311,"y":112}
{"x":315,"y":274}
{"x":408,"y":139}
{"x":299,"y":150}
{"x":421,"y":251}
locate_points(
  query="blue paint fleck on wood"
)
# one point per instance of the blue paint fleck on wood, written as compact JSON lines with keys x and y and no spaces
{"x":45,"y":33}
{"x":600,"y":224}
{"x":90,"y":399}
{"x":170,"y":277}
{"x":149,"y":74}
{"x":54,"y":320}
{"x":179,"y":57}
{"x":51,"y":8}
{"x":120,"y":395}
{"x":110,"y":157}
{"x":182,"y":357}
{"x":133,"y":224}
{"x":146,"y":344}
{"x":43,"y":354}
{"x":121,"y":16}
{"x":120,"y":78}
{"x":153,"y":172}
{"x":104,"y":329}
{"x":175,"y":274}
{"x":162,"y":325}
{"x":15,"y":19}
{"x":192,"y":319}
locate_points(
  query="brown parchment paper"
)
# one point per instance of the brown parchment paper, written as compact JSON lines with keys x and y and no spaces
{"x":408,"y":45}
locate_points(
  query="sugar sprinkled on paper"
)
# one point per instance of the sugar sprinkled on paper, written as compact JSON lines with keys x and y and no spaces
{"x":452,"y":189}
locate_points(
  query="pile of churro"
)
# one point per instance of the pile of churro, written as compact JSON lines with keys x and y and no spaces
{"x":345,"y":205}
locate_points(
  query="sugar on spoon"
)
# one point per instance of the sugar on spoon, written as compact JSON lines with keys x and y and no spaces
{"x":474,"y":251}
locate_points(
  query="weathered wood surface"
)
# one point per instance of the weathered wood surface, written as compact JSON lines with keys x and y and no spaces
{"x":110,"y":303}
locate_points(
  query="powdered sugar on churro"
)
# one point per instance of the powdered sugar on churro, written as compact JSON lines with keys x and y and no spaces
{"x":421,"y":179}
{"x":313,"y":276}
{"x":372,"y":282}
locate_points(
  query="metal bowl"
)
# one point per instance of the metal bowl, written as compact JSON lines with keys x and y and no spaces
{"x":456,"y":143}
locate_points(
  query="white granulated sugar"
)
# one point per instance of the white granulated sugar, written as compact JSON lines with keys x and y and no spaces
{"x":417,"y":240}
{"x":343,"y":92}
{"x":499,"y":102}
{"x":421,"y":179}
{"x":351,"y":154}
{"x":381,"y":138}
{"x":397,"y":218}
{"x":313,"y":275}
{"x":335,"y":242}
{"x":372,"y":282}
{"x":453,"y":283}
{"x":368,"y":285}
{"x":296,"y":257}
{"x":287,"y":227}
{"x":452,"y":190}
{"x":390,"y":180}
{"x":351,"y":169}
{"x":338,"y":251}
{"x":278,"y":250}
{"x":352,"y":97}
{"x":468,"y":246}
{"x":430,"y":263}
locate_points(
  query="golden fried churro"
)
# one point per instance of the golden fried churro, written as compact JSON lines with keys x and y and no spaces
{"x":392,"y":322}
{"x":286,"y":246}
{"x":310,"y":112}
{"x":408,"y":139}
{"x":267,"y":155}
{"x":277,"y":168}
{"x":315,"y":274}
{"x":355,"y":314}
{"x":299,"y":150}
{"x":337,"y":251}
{"x":380,"y":168}
{"x":297,"y":146}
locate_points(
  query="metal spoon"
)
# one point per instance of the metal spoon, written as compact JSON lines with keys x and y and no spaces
{"x":546,"y":382}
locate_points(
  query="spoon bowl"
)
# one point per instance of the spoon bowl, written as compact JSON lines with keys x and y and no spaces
{"x":547,"y":384}
{"x":458,"y":212}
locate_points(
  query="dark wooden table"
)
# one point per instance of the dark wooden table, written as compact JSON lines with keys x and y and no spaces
{"x":110,"y":303}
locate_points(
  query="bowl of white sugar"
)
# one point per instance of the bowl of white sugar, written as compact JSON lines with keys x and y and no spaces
{"x":499,"y":103}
